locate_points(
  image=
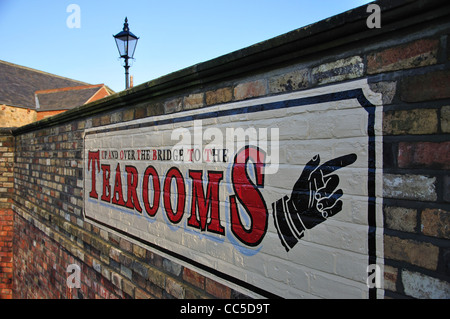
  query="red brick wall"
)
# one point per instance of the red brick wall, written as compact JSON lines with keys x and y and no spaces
{"x":6,"y":257}
{"x":44,"y":114}
{"x":41,"y":271}
{"x":416,"y":163}
{"x":6,"y":213}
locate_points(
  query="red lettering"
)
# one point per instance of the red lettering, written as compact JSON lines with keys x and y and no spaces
{"x":249,"y":197}
{"x":117,"y":195}
{"x":132,"y":182}
{"x":174,"y":217}
{"x":93,"y":157}
{"x":150,"y":171}
{"x":247,"y":202}
{"x":106,"y":195}
{"x":204,"y":204}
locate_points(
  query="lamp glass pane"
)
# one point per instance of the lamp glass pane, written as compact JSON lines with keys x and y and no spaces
{"x":132,"y":42}
{"x":121,"y":45}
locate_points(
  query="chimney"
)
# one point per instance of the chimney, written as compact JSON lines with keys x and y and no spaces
{"x":131,"y":81}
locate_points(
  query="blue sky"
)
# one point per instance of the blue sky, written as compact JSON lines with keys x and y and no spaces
{"x":174,"y":34}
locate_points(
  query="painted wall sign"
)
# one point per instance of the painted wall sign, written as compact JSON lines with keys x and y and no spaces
{"x":277,"y":196}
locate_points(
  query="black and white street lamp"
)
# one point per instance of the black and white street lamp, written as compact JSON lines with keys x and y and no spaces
{"x":126,"y":44}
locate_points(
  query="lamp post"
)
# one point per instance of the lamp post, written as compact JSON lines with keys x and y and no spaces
{"x":126,"y":44}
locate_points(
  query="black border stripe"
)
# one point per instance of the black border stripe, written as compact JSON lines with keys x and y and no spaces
{"x":371,"y":187}
{"x":330,"y":97}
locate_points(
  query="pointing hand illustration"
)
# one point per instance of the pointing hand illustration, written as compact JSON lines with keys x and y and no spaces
{"x":314,"y":199}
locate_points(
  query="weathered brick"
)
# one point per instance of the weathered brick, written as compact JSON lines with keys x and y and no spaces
{"x":424,"y":154}
{"x":390,"y":278}
{"x":194,"y":278}
{"x":218,"y":96}
{"x":175,"y":288}
{"x":174,"y":105}
{"x":128,"y":115}
{"x":340,"y":70}
{"x":421,"y":286}
{"x":155,"y":109}
{"x":445,"y":119}
{"x":291,"y":81}
{"x":411,"y":251}
{"x":141,"y":294}
{"x":194,"y":101}
{"x":128,"y":288}
{"x":125,"y":260}
{"x":411,"y":55}
{"x":138,"y":251}
{"x":126,"y":271}
{"x":426,"y":87}
{"x":417,"y":121}
{"x":140,"y":269}
{"x":193,"y":294}
{"x":155,"y":291}
{"x":157,"y":277}
{"x":217,"y":289}
{"x":250,"y":89}
{"x":400,"y":218}
{"x":96,"y":121}
{"x":6,"y":252}
{"x":105,"y":120}
{"x":140,"y":112}
{"x":436,"y":223}
{"x":126,"y":245}
{"x":154,"y":259}
{"x":387,"y":89}
{"x":172,"y":267}
{"x":116,"y":117}
{"x":417,"y":187}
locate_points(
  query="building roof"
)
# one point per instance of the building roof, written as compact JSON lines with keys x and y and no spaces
{"x":65,"y":98}
{"x":33,"y":89}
